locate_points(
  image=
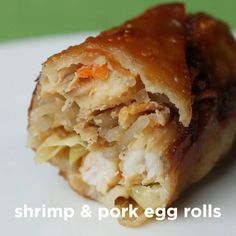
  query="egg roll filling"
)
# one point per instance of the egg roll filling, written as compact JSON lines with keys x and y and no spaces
{"x":102,"y":124}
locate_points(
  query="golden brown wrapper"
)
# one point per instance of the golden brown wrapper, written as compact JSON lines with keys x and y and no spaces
{"x":152,"y":45}
{"x":189,"y":59}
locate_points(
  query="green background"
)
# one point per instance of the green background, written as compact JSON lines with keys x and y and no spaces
{"x":28,"y":18}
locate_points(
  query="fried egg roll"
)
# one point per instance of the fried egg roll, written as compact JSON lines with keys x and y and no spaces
{"x":140,"y":112}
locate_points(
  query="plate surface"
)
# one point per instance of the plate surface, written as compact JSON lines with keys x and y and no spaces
{"x":24,"y":182}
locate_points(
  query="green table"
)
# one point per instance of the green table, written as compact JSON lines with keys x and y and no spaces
{"x":30,"y":18}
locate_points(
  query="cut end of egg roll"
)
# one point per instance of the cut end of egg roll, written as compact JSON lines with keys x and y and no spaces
{"x":140,"y":112}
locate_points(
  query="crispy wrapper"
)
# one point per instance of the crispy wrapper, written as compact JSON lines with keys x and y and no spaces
{"x":140,"y":112}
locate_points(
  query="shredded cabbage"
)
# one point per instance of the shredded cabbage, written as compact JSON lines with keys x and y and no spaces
{"x":47,"y":153}
{"x":76,"y":153}
{"x":47,"y":109}
{"x":147,"y":196}
{"x":54,"y":144}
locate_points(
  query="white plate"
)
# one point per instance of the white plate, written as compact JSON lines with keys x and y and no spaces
{"x":23,"y":182}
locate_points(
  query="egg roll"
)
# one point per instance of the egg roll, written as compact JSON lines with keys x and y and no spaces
{"x":140,"y":112}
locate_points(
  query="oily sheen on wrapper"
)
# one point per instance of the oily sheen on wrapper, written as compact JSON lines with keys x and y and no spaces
{"x":140,"y":112}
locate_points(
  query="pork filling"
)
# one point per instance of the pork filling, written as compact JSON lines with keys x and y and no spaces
{"x":106,"y":126}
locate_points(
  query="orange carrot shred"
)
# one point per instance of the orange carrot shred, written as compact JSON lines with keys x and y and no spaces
{"x":126,"y":93}
{"x":100,"y":72}
{"x":85,"y":72}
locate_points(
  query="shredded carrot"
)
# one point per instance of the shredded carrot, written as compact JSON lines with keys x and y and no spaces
{"x":99,"y":72}
{"x":85,"y":72}
{"x":126,"y":93}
